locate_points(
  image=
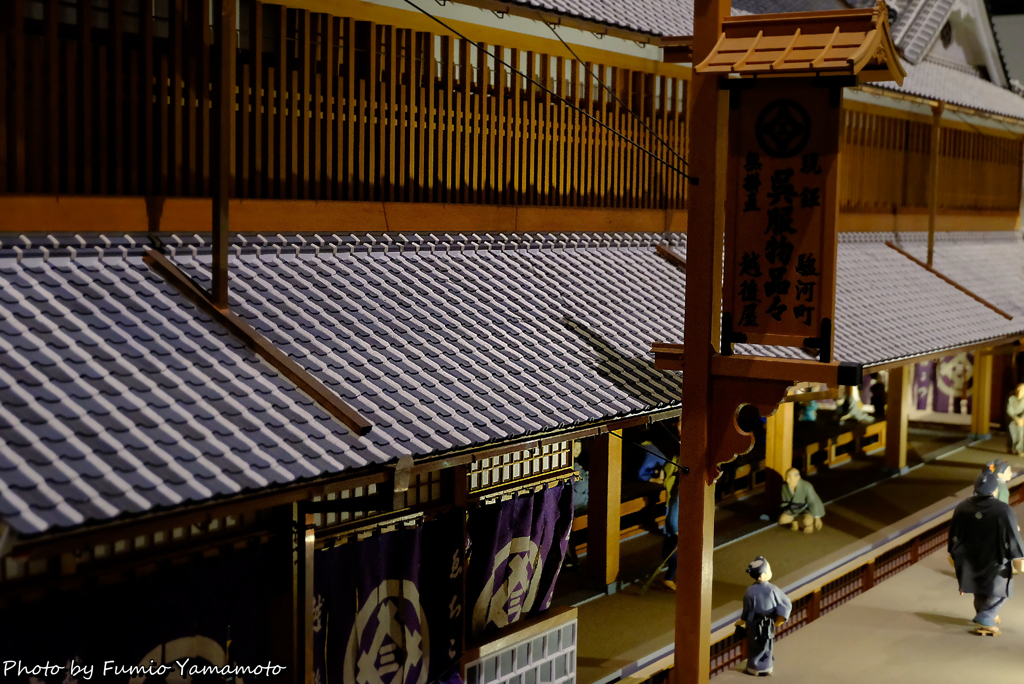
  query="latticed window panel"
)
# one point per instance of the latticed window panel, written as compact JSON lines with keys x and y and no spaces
{"x":336,"y":518}
{"x":14,"y":568}
{"x":518,"y":466}
{"x":548,"y":658}
{"x":423,"y":489}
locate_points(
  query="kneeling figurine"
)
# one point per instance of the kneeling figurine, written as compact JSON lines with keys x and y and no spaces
{"x":801,"y":506}
{"x":765,"y":607}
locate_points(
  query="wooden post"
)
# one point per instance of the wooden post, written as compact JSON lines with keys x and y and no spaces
{"x":306,"y":578}
{"x":604,"y":511}
{"x":778,"y":456}
{"x":900,"y":393}
{"x":707,"y":156}
{"x":814,"y":611}
{"x":220,"y":173}
{"x":933,"y":175}
{"x":981,"y":405}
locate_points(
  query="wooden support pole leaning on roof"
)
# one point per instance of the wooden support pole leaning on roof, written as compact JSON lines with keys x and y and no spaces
{"x":245,"y":333}
{"x":897,"y":414}
{"x":707,"y":159}
{"x":981,"y":405}
{"x":604,"y":509}
{"x":952,"y":282}
{"x":933,"y":175}
{"x":220,"y":171}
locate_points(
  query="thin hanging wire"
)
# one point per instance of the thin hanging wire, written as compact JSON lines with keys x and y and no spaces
{"x":693,"y":179}
{"x":611,"y":91}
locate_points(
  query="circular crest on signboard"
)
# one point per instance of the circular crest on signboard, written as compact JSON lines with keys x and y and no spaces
{"x":783,"y":128}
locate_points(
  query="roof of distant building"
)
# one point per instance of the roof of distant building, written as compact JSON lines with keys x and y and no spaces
{"x":936,"y":81}
{"x":918,"y":24}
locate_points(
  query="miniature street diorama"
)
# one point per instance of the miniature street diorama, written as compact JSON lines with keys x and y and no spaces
{"x":473,"y":342}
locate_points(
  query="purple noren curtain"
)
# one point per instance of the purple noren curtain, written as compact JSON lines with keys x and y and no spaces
{"x":516,"y":553}
{"x":388,"y":608}
{"x":924,"y":381}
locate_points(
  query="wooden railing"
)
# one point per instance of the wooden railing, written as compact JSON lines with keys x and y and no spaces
{"x":339,"y":108}
{"x":327,"y":108}
{"x":884,"y":166}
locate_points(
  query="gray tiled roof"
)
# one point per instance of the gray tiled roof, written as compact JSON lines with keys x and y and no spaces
{"x":939,"y":82}
{"x":989,"y":264}
{"x":918,"y":24}
{"x":451,"y":341}
{"x":118,"y":397}
{"x":888,"y":308}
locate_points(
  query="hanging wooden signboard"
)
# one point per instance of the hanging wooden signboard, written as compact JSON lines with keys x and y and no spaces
{"x":786,"y":75}
{"x":781,"y":213}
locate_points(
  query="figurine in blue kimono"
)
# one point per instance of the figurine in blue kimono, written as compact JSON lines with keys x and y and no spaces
{"x":765,"y":607}
{"x":986,"y":550}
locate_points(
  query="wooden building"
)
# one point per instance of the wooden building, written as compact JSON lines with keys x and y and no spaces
{"x":452,"y":245}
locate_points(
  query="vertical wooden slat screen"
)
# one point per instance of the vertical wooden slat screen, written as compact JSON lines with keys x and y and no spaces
{"x":327,"y":108}
{"x":884,"y":167}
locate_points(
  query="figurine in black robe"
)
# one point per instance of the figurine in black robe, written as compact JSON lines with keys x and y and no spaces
{"x":985,"y":545}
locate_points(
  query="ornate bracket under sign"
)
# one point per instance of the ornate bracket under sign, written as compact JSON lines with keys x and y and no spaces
{"x":727,"y":440}
{"x":741,"y":380}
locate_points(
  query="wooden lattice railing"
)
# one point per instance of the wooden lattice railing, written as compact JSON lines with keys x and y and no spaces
{"x":884,"y":166}
{"x":327,"y":108}
{"x":812,"y":601}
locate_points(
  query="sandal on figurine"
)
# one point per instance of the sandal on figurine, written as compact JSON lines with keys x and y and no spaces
{"x":982,"y":630}
{"x":669,"y":584}
{"x":758,"y":673}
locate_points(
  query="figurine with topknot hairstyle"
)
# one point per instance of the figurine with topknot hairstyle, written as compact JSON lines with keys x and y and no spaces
{"x":765,"y":607}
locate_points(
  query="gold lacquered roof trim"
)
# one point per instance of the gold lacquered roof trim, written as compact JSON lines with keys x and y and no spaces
{"x":842,"y":43}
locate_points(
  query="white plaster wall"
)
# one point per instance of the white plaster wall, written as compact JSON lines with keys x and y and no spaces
{"x":1010,"y":33}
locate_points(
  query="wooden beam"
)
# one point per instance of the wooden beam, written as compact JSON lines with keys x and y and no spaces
{"x":220,"y":173}
{"x":768,"y":368}
{"x":949,"y":280}
{"x":897,"y":414}
{"x":668,"y":356}
{"x":604,"y":510}
{"x":260,"y":345}
{"x":672,"y":256}
{"x":981,"y":405}
{"x":805,"y":397}
{"x":933,"y":175}
{"x":706,"y":203}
